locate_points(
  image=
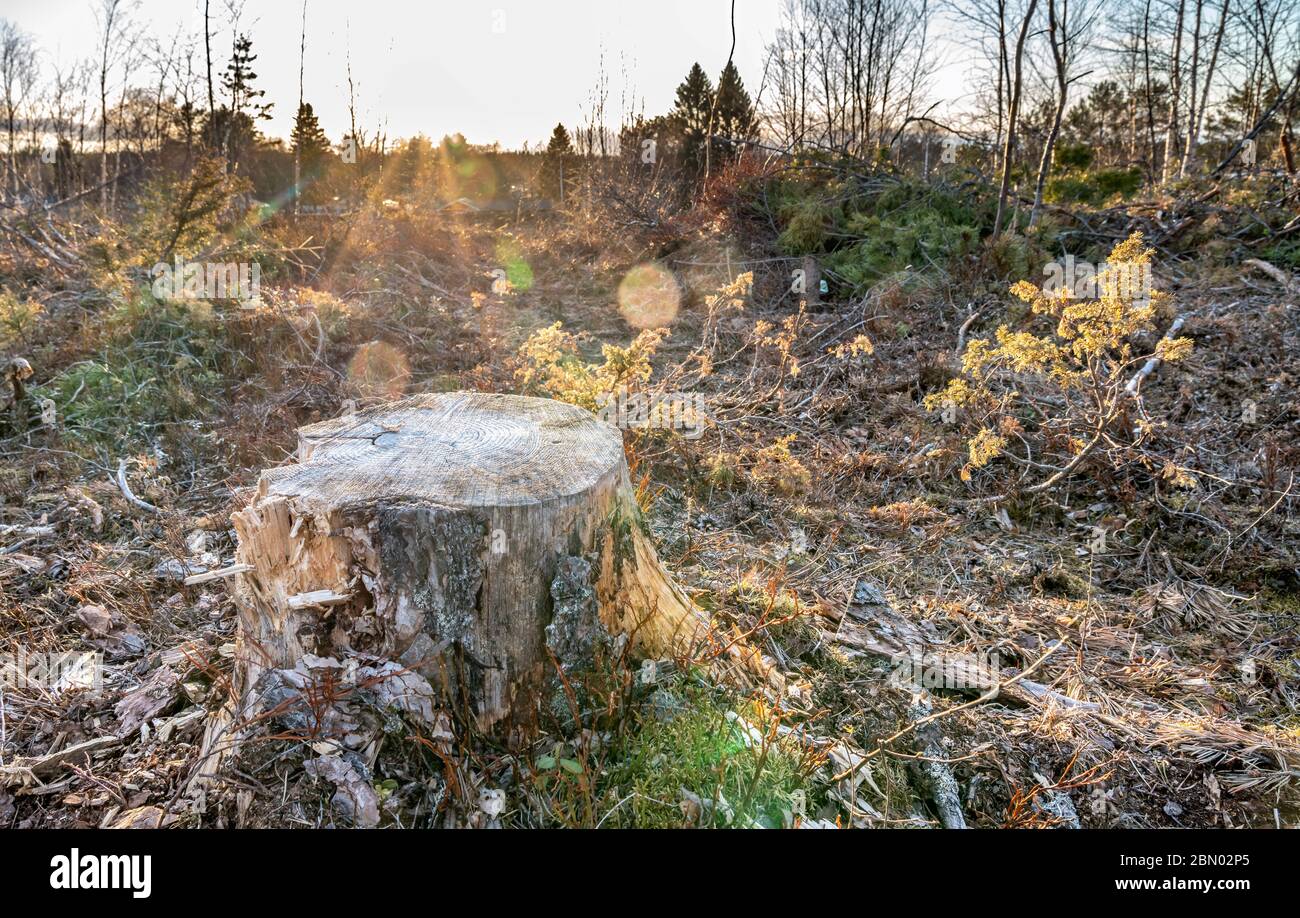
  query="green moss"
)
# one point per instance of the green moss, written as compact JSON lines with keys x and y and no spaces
{"x":756,"y":600}
{"x":622,"y":523}
{"x":1278,"y":602}
{"x":691,"y":745}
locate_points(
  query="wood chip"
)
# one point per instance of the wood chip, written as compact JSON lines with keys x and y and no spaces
{"x":218,"y":574}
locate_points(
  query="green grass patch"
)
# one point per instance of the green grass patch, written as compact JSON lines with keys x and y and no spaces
{"x":163,"y":364}
{"x":684,"y":741}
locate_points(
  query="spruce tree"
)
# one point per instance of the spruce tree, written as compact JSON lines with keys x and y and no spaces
{"x":311,"y":146}
{"x":694,"y":103}
{"x":238,"y":83}
{"x":555,"y":163}
{"x":235,"y":126}
{"x":735,"y":117}
{"x":560,"y":144}
{"x":309,"y":141}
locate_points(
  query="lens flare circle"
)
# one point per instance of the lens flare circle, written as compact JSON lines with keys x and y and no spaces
{"x":379,"y":370}
{"x":649,"y":296}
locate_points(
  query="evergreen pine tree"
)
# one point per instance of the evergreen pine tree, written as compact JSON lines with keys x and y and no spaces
{"x":234,"y":127}
{"x":560,"y":144}
{"x":311,"y":146}
{"x":410,"y":173}
{"x":555,"y":164}
{"x":694,"y":103}
{"x":735,"y":117}
{"x":238,"y":83}
{"x":309,"y":141}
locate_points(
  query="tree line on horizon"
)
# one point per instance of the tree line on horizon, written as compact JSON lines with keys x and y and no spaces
{"x":167,"y":106}
{"x":1072,"y":99}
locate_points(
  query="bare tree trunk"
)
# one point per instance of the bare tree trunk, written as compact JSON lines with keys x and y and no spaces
{"x":353,"y":139}
{"x":1058,"y":36}
{"x":1171,"y":125}
{"x":1017,"y":85}
{"x":84,"y":83}
{"x":1003,"y":80}
{"x":1151,"y":114}
{"x":117,"y":146}
{"x":1194,"y":136}
{"x":297,"y":153}
{"x":18,"y":71}
{"x":1130,"y":89}
{"x":207,"y":50}
{"x":110,"y":8}
{"x":1192,"y":83}
{"x":1286,"y":96}
{"x":713,"y":109}
{"x":1285,"y":133}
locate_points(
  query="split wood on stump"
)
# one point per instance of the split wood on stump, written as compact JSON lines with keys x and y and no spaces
{"x":447,"y":532}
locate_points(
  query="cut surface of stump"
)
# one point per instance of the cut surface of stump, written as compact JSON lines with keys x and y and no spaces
{"x":472,"y":538}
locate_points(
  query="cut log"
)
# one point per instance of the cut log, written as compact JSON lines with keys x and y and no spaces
{"x":447,"y":532}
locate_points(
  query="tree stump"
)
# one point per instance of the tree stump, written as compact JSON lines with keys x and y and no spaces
{"x":468,"y":537}
{"x":812,"y":281}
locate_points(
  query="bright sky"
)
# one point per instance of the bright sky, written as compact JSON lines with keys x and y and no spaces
{"x":495,"y":70}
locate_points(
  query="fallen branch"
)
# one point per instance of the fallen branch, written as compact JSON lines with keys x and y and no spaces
{"x":1272,"y":271}
{"x":125,"y":488}
{"x":1015,"y":687}
{"x":35,"y":770}
{"x":961,"y":333}
{"x":934,"y":774}
{"x":1260,"y":122}
{"x":1151,"y":365}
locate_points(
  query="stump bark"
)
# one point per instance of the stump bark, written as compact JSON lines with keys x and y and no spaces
{"x":465,"y":536}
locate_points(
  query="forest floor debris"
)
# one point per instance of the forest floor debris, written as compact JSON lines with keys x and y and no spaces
{"x":951,"y":662}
